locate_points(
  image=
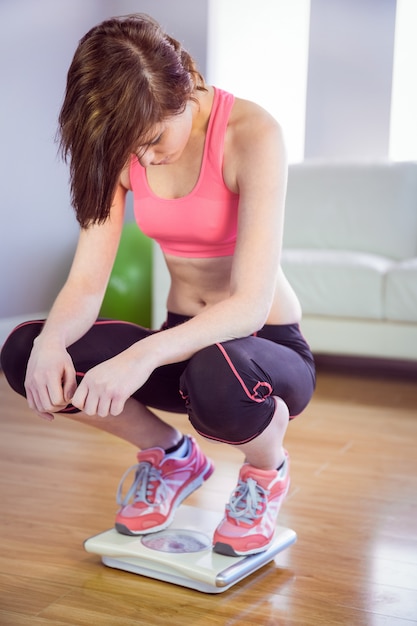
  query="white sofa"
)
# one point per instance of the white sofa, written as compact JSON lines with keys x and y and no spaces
{"x":350,"y":252}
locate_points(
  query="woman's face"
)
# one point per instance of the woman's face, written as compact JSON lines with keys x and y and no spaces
{"x":168,"y":140}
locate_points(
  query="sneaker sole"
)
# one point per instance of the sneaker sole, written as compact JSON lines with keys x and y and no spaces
{"x":227,"y":550}
{"x":195,"y":484}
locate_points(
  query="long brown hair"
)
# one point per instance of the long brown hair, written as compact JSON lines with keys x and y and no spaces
{"x":126,"y":76}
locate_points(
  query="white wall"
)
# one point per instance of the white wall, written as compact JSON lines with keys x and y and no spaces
{"x":38,"y":230}
{"x":350,"y":79}
{"x":324,"y":69}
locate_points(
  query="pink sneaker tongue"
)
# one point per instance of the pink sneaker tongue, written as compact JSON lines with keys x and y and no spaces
{"x":153,"y":456}
{"x":262,"y":477}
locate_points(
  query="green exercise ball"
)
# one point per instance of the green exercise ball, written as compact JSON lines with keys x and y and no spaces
{"x":129,"y":292}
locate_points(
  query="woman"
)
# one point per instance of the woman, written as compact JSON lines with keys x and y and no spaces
{"x":208,"y":176}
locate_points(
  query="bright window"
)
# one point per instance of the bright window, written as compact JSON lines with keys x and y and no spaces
{"x":258,"y":49}
{"x":403,"y":128}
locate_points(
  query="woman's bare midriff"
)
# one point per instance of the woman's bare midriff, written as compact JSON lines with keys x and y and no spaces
{"x":197,"y":284}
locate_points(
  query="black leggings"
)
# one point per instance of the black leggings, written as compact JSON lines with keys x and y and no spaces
{"x":227,"y":389}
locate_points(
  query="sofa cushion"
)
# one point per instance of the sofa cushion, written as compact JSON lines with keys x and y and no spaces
{"x":401,"y":292}
{"x":337,"y":283}
{"x":368,"y":207}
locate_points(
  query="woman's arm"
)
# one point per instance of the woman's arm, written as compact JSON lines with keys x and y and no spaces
{"x":50,"y":378}
{"x":79,"y":301}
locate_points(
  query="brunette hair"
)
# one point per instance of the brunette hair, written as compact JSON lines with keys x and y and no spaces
{"x":126,"y":76}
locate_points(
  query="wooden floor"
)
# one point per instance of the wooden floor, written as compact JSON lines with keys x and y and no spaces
{"x":353,"y":504}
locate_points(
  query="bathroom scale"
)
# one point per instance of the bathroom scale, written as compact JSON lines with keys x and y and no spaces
{"x":182,"y":554}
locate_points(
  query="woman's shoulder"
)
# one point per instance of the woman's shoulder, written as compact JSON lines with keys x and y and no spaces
{"x":125,"y":177}
{"x":250,"y":111}
{"x":251,"y":125}
{"x":250,"y":121}
{"x":254,"y":143}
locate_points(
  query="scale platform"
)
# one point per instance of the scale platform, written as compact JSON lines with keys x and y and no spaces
{"x":182,"y":554}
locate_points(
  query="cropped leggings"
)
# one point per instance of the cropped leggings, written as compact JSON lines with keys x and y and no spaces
{"x":227,"y":389}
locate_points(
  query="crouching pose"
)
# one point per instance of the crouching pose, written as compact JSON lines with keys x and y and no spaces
{"x":208,"y":176}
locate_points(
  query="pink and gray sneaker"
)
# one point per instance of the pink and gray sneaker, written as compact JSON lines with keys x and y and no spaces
{"x":160,"y":484}
{"x":248,"y":526}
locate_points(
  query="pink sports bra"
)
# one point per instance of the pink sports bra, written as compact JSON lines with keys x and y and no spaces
{"x":204,"y":222}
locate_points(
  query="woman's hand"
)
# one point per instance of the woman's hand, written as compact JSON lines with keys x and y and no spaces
{"x":105,"y":388}
{"x":50,"y":380}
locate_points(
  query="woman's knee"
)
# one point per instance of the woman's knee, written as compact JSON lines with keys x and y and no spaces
{"x":225,"y":397}
{"x":15,"y":354}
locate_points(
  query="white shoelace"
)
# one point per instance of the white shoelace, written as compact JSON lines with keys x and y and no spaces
{"x":142,"y":487}
{"x":248,"y":502}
